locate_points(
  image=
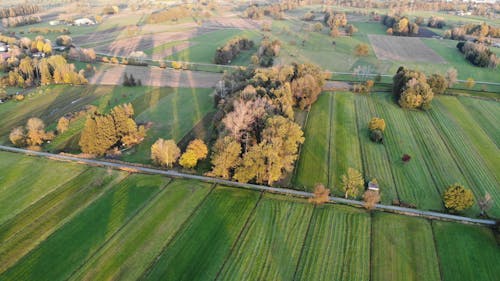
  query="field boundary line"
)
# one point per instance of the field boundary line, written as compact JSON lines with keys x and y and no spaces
{"x":304,"y":242}
{"x":296,"y":165}
{"x":243,"y":229}
{"x":437,"y":251}
{"x":285,"y":191}
{"x":331,"y":98}
{"x":371,"y":247}
{"x":133,"y":215}
{"x":175,"y":234}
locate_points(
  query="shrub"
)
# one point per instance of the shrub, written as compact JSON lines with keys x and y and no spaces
{"x":176,"y":65}
{"x":438,"y":83}
{"x":321,"y":195}
{"x":377,"y":124}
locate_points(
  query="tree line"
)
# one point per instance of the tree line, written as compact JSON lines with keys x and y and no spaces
{"x":478,"y":54}
{"x":21,"y":20}
{"x":275,"y":11}
{"x":19,"y":10}
{"x":257,"y":138}
{"x":226,"y":53}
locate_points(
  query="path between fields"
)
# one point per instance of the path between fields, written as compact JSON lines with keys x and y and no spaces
{"x":284,"y":191}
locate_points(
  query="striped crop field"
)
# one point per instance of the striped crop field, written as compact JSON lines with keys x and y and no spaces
{"x":453,"y":142}
{"x":344,"y":142}
{"x":403,"y":249}
{"x":486,"y":115}
{"x":270,"y":247}
{"x":337,"y":247}
{"x":466,"y":252}
{"x":111,"y":225}
{"x":199,"y":250}
{"x":313,"y":164}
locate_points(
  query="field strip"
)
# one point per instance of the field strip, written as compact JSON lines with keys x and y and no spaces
{"x":127,"y":255}
{"x":16,"y":245}
{"x":64,"y":250}
{"x":374,"y":156}
{"x":331,"y":109}
{"x":284,"y":191}
{"x":436,"y":249}
{"x":217,"y":222}
{"x":302,"y":249}
{"x":486,"y":115}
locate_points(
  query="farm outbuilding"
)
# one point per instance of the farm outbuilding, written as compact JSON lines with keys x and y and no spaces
{"x":84,"y":21}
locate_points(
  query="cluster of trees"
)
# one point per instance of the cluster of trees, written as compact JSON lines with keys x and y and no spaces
{"x":19,"y":10}
{"x":273,"y":10}
{"x":33,"y":135}
{"x":411,"y":89}
{"x":377,"y":128}
{"x":480,"y":31}
{"x":82,"y":54}
{"x":334,"y":19}
{"x":166,"y":153}
{"x":7,"y":39}
{"x":129,"y":81}
{"x":110,"y":10}
{"x":257,"y":137}
{"x":46,"y":30}
{"x":170,"y":14}
{"x":226,"y":53}
{"x":436,"y":22}
{"x":399,"y":25}
{"x":20,"y":20}
{"x":53,"y":70}
{"x":268,"y":50}
{"x":363,"y":88}
{"x":478,"y":54}
{"x":104,"y":132}
{"x":64,"y":40}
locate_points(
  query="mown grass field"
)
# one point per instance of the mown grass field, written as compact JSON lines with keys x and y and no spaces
{"x":113,"y":225}
{"x":171,"y":111}
{"x":455,"y":141}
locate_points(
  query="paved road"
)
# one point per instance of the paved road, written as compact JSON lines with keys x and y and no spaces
{"x":284,"y":191}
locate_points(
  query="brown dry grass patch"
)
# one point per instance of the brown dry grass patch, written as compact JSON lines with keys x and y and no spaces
{"x":395,"y":48}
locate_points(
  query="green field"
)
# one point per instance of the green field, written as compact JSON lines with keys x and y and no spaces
{"x":111,"y":225}
{"x":448,"y":144}
{"x":171,"y":111}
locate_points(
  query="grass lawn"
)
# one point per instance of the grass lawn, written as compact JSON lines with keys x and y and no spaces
{"x":128,"y":254}
{"x":403,"y":249}
{"x":344,"y":141}
{"x":337,"y":246}
{"x":199,"y":250}
{"x":24,"y":180}
{"x":71,"y":245}
{"x":20,"y":235}
{"x":486,"y":115}
{"x":313,"y":162}
{"x":270,"y":247}
{"x":466,"y":252}
{"x":204,"y":46}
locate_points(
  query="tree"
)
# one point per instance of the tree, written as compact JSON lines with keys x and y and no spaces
{"x":377,"y":124}
{"x":62,"y":125}
{"x":470,"y":83}
{"x":17,"y":136}
{"x":361,"y":50}
{"x":188,"y":159}
{"x":377,"y":136}
{"x":485,"y":203}
{"x":98,"y":134}
{"x":35,"y":132}
{"x":371,"y":198}
{"x":321,"y":195}
{"x":165,"y":152}
{"x":196,"y":150}
{"x":351,"y":29}
{"x":451,"y":76}
{"x":306,"y":90}
{"x":335,"y":32}
{"x":352,"y":182}
{"x":438,"y":83}
{"x":225,"y":157}
{"x":458,"y":198}
{"x":318,"y":27}
{"x":411,"y":89}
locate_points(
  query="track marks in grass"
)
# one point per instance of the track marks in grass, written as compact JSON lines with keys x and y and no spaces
{"x":127,"y":255}
{"x":403,"y":249}
{"x":62,"y":252}
{"x":469,"y":160}
{"x":413,"y":179}
{"x":374,"y":156}
{"x":472,"y":130}
{"x":487,"y":115}
{"x":28,"y":179}
{"x":270,"y":249}
{"x":25,"y":231}
{"x":467,"y":252}
{"x":198,"y":251}
{"x":338,"y":245}
{"x":313,"y":163}
{"x":344,"y":142}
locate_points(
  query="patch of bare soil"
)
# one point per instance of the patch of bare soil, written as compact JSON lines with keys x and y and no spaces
{"x":403,"y":49}
{"x":154,"y":76}
{"x":239,"y":23}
